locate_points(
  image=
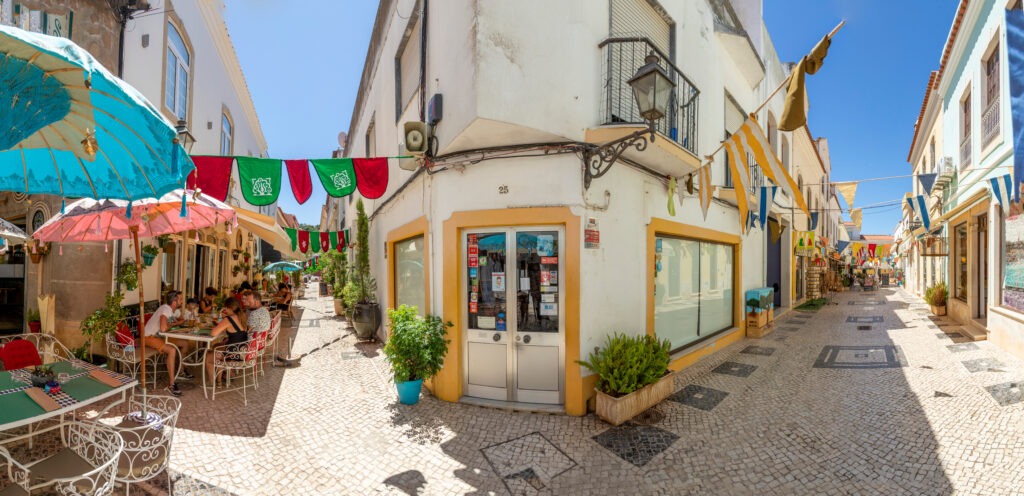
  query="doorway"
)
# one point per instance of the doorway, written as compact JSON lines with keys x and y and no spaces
{"x":515,"y":323}
{"x":981,"y":300}
{"x":773,"y":278}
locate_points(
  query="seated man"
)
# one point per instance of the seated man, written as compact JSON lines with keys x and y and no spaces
{"x":161,"y":321}
{"x":206,"y":304}
{"x":259,"y":317}
{"x":283,"y":297}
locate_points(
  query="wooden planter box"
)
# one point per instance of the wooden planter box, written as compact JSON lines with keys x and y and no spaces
{"x":938,"y":310}
{"x":617,"y":411}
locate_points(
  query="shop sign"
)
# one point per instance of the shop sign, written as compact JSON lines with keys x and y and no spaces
{"x":37,"y":21}
{"x":591,"y":234}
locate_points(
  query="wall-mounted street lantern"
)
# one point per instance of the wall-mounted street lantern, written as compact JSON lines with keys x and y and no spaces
{"x":184,"y":137}
{"x":652,"y":90}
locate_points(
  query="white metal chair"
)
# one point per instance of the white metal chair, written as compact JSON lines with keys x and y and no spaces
{"x":147,"y":447}
{"x":271,"y":344}
{"x":85,"y":466}
{"x":131,"y":359}
{"x":50,"y":349}
{"x":241,"y":358}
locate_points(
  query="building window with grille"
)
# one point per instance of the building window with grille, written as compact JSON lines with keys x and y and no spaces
{"x":227,"y":135}
{"x":176,"y":71}
{"x":990,"y":114}
{"x":965,"y":130}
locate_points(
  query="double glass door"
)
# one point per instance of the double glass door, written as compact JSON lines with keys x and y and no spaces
{"x":514,"y":325}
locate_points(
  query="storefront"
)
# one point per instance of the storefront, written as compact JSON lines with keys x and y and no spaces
{"x":968,"y":266}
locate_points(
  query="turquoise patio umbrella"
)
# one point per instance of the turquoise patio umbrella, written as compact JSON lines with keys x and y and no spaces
{"x":282,"y":266}
{"x":69,"y":127}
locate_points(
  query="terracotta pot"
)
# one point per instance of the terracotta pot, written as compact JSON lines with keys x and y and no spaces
{"x":938,"y":310}
{"x":36,"y":257}
{"x":617,"y":411}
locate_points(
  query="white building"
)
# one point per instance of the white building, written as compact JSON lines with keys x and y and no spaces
{"x":500,"y":233}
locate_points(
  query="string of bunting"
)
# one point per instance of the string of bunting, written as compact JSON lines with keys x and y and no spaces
{"x":260,"y":178}
{"x":317,"y":241}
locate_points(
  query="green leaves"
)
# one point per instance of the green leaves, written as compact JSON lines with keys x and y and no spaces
{"x":104,"y":320}
{"x":628,"y":363}
{"x":416,"y":346}
{"x":937,"y":294}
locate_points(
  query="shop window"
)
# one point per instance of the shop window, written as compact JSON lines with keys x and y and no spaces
{"x":410,"y":277}
{"x":177,"y":69}
{"x":693,"y":293}
{"x":960,"y":280}
{"x":1013,"y":268}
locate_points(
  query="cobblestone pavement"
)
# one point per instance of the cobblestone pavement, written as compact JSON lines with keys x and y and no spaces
{"x":892,"y":401}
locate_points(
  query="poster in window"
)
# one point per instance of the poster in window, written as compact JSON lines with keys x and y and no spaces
{"x":553,"y":277}
{"x":497,"y":281}
{"x":544,"y":278}
{"x":472,"y":307}
{"x":549,"y":309}
{"x":1013,"y":281}
{"x":485,"y":322}
{"x":473,"y":262}
{"x":545,"y":245}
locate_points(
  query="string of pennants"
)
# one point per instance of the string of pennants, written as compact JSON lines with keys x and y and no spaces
{"x":260,"y":179}
{"x":318,"y":241}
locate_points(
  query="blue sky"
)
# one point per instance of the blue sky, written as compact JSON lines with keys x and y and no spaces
{"x":302,"y":63}
{"x":868,"y":94}
{"x":303,"y":67}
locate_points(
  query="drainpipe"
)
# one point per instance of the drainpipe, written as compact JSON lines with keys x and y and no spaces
{"x":125,"y":13}
{"x":424,"y":8}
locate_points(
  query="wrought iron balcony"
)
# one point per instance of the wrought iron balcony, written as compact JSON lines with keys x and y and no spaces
{"x":621,"y":57}
{"x":965,"y":152}
{"x":990,"y":123}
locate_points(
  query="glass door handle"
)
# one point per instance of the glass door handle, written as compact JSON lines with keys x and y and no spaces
{"x":526,"y":339}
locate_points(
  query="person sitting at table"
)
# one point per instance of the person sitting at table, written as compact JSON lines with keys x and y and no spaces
{"x":258,"y":319}
{"x":206,"y":304}
{"x":161,"y":321}
{"x":191,"y":310}
{"x":231,"y":323}
{"x":283,"y":297}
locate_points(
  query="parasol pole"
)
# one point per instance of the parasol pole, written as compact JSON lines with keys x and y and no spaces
{"x":142,"y":313}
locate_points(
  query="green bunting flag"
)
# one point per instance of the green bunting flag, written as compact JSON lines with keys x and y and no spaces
{"x":337,"y":175}
{"x":294,"y":237}
{"x":260,"y":179}
{"x":314,"y":241}
{"x":333,"y":236}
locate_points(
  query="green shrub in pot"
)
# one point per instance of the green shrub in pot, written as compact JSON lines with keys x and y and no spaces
{"x":628,"y":363}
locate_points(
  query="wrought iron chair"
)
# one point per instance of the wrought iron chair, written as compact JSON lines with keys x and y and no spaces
{"x":147,"y":447}
{"x":49,"y":348}
{"x":86,"y":465}
{"x":271,"y":342}
{"x":121,"y":347}
{"x":241,"y":358}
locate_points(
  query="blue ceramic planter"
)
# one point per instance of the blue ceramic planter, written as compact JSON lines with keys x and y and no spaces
{"x":409,"y":392}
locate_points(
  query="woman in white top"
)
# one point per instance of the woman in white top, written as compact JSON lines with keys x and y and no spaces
{"x":162,"y":320}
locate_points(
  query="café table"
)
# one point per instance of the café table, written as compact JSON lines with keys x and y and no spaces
{"x":77,"y":390}
{"x":199,"y":334}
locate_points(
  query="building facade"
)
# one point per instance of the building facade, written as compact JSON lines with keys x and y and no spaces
{"x":502,"y":234}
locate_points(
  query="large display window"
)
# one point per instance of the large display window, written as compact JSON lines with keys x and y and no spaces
{"x":693,"y":289}
{"x":409,"y":274}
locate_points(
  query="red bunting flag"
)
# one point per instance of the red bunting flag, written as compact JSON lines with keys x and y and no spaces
{"x":212,"y":175}
{"x":371,"y":176}
{"x":341,"y":241}
{"x":298,"y":175}
{"x":325,"y":241}
{"x":303,"y":241}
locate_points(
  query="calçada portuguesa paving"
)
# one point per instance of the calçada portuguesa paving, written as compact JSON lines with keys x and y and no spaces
{"x":869,"y":396}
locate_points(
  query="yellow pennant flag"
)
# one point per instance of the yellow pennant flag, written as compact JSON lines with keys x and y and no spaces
{"x":740,"y":180}
{"x":706,"y":189}
{"x":794,"y":115}
{"x":848,"y":190}
{"x":857,"y":216}
{"x":672,"y":196}
{"x":750,"y":139}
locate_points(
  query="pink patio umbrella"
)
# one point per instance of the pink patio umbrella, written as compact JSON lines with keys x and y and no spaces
{"x":89,"y":220}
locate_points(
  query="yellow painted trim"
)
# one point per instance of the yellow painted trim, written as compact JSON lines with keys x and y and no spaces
{"x":448,"y":382}
{"x":676,"y":229}
{"x":418,"y":227}
{"x":605,"y":134}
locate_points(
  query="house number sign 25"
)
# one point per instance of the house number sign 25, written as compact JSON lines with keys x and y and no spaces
{"x":503,"y":189}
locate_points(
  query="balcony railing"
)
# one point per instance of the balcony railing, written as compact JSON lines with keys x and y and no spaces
{"x":621,"y":57}
{"x":990,"y":123}
{"x":965,"y":152}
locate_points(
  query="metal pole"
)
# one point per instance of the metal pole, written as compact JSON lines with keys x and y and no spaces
{"x":142,"y":314}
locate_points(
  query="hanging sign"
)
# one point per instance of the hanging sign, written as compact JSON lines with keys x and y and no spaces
{"x":591,"y":234}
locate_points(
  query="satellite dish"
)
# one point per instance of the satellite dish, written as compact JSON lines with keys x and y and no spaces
{"x":342,"y":138}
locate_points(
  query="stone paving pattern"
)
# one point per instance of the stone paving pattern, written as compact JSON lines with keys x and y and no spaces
{"x":927,"y":426}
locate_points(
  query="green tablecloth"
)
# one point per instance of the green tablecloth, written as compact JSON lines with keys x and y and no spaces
{"x":66,"y":367}
{"x":84,"y":388}
{"x":18,"y":406}
{"x":6,"y":382}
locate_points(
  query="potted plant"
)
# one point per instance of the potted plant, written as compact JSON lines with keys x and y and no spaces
{"x":34,"y":321}
{"x":246,"y":256}
{"x":632,"y":375}
{"x":128,"y":274}
{"x":366,"y":317}
{"x":415,"y":349}
{"x":103,"y":321}
{"x":235,"y":254}
{"x":235,"y":269}
{"x":349,"y":298}
{"x":936,"y":296}
{"x":149,"y":253}
{"x":41,"y":375}
{"x":164,"y":242}
{"x":37,"y":250}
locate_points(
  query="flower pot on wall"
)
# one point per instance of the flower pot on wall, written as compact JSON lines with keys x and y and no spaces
{"x":148,"y":258}
{"x":409,"y":392}
{"x":35,"y":326}
{"x":617,"y":411}
{"x":366,"y":320}
{"x":36,"y":257}
{"x":339,"y":306}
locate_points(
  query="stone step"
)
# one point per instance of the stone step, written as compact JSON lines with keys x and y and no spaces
{"x":975,"y":331}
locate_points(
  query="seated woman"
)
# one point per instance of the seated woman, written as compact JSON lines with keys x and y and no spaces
{"x":283,"y":297}
{"x":231,"y":324}
{"x":206,"y":304}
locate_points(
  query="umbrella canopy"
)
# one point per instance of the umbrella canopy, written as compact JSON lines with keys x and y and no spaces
{"x":71,"y":128}
{"x":90,"y":220}
{"x":282,"y":266}
{"x":11,"y":231}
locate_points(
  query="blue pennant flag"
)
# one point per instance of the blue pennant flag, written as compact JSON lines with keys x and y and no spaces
{"x":1015,"y":56}
{"x":1001,"y":187}
{"x":841,"y":245}
{"x":814,"y":220}
{"x":919,"y":205}
{"x":765,"y":197}
{"x":927,"y":181}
